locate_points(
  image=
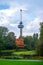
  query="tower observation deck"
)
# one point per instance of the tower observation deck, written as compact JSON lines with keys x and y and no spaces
{"x":20,"y":26}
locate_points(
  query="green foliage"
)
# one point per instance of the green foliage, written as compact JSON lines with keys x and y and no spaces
{"x":40,"y":44}
{"x":35,"y":40}
{"x":41,"y":33}
{"x":3,"y":31}
{"x":31,"y":42}
{"x":28,"y":42}
{"x":41,"y":39}
{"x":7,"y":40}
{"x":10,"y":40}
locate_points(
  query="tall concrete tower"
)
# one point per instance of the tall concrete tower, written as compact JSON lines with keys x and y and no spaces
{"x":20,"y":26}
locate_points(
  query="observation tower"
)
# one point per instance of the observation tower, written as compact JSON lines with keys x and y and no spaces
{"x":21,"y":26}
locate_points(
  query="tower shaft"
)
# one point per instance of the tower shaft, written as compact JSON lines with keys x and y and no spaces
{"x":20,"y":32}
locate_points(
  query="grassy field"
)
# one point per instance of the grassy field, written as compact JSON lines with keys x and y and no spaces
{"x":12,"y":54}
{"x":13,"y":62}
{"x":7,"y":50}
{"x":21,"y":52}
{"x":25,"y":52}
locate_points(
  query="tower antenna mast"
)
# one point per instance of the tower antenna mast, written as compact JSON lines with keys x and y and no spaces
{"x":20,"y":15}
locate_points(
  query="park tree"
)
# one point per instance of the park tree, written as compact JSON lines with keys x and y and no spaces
{"x":3,"y":31}
{"x":3,"y":34}
{"x":35,"y":41}
{"x":10,"y":41}
{"x":11,"y":36}
{"x":28,"y":42}
{"x":7,"y":39}
{"x":41,"y":40}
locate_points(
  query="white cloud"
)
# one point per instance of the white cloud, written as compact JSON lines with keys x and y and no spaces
{"x":13,"y":25}
{"x":27,"y":33}
{"x":7,"y":15}
{"x":8,"y":12}
{"x":3,"y":19}
{"x":34,"y":25}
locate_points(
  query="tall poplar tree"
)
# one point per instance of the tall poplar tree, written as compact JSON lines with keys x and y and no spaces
{"x":41,"y":38}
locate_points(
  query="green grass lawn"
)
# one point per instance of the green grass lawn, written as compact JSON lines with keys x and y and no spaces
{"x":33,"y":52}
{"x":19,"y":54}
{"x":25,"y":52}
{"x":7,"y":50}
{"x":12,"y":62}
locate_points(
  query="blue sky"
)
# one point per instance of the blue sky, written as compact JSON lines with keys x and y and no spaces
{"x":32,"y":15}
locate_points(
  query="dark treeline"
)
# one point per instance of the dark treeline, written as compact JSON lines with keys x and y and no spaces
{"x":7,"y":40}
